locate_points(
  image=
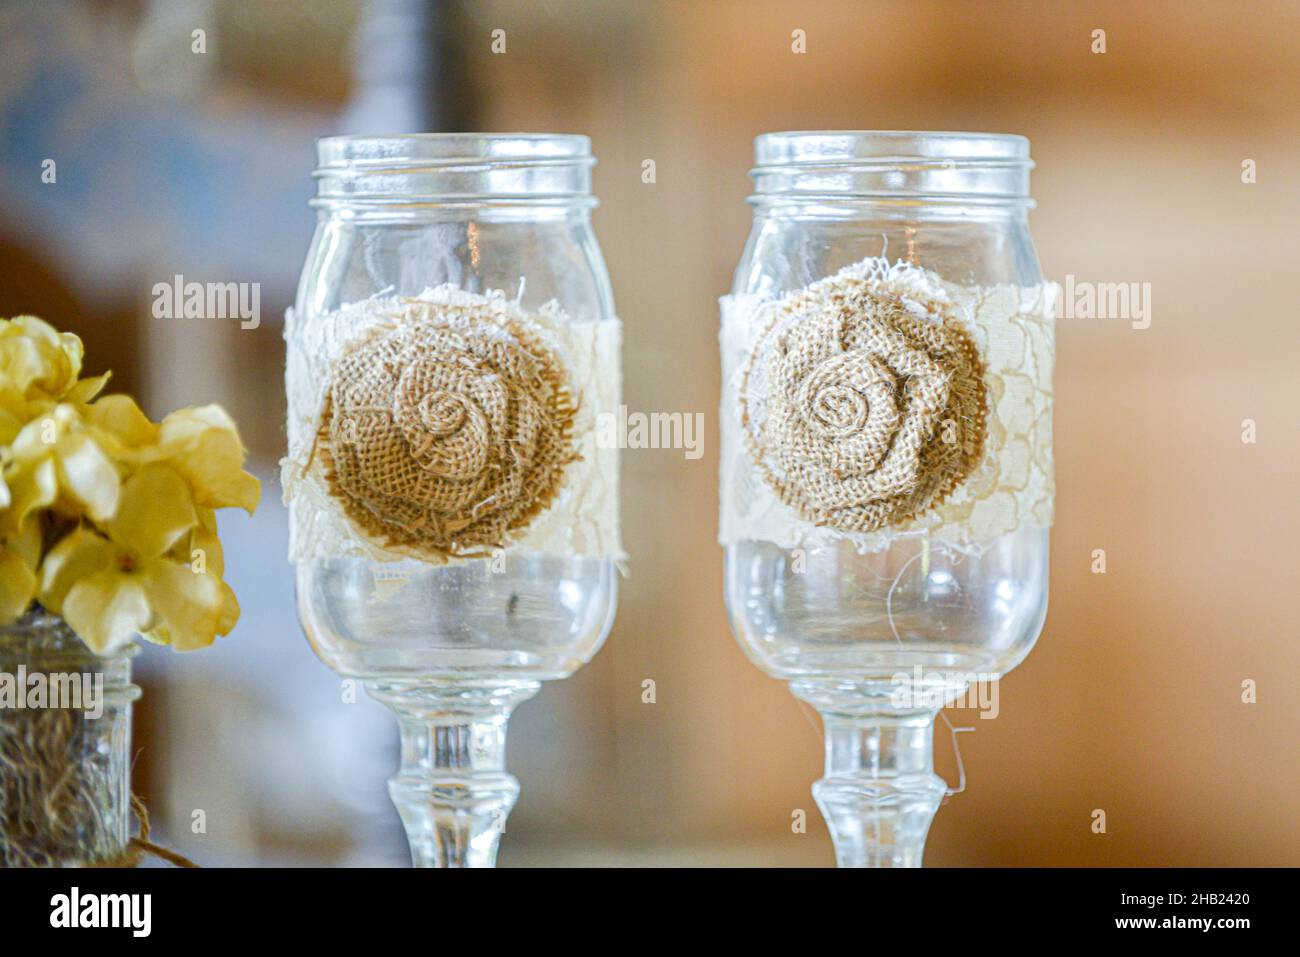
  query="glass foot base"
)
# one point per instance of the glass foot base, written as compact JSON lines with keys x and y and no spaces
{"x":880,"y":792}
{"x":452,"y":790}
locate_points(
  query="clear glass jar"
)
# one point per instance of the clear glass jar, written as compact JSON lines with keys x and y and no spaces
{"x":65,"y":789}
{"x":453,"y":646}
{"x":956,"y":204}
{"x":850,"y":625}
{"x":405,"y":213}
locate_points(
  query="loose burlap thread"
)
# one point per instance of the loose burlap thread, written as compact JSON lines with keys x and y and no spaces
{"x":140,"y":845}
{"x":446,"y":427}
{"x":862,"y":409}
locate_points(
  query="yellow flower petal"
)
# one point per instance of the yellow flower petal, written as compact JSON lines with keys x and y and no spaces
{"x":207,"y":519}
{"x":107,"y":609}
{"x":190,"y":605}
{"x":39,"y":436}
{"x":36,"y":356}
{"x":27,"y":543}
{"x":157,"y":635}
{"x":13,"y":414}
{"x":21,"y":362}
{"x":75,"y":350}
{"x":184,"y":429}
{"x":241,"y":490}
{"x":204,"y":540}
{"x":229,"y":610}
{"x":119,"y":416}
{"x":17,"y":585}
{"x":153,"y":511}
{"x":88,"y":475}
{"x":31,"y":488}
{"x":77,"y":555}
{"x":84,"y":390}
{"x":35,"y":329}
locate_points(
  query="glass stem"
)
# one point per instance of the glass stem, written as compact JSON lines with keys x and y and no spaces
{"x":880,"y":792}
{"x":452,"y":790}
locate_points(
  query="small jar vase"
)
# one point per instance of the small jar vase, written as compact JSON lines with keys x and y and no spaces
{"x":65,"y":741}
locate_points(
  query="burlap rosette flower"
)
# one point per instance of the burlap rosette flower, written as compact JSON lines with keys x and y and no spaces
{"x":446,"y":428}
{"x":862,"y":408}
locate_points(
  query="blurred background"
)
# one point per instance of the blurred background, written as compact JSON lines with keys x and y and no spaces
{"x":169,"y":161}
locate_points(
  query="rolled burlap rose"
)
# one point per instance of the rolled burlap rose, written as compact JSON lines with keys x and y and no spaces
{"x":863,"y":409}
{"x":447,"y":428}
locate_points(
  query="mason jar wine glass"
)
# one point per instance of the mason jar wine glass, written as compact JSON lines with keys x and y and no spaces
{"x":454,"y":523}
{"x":887,"y":492}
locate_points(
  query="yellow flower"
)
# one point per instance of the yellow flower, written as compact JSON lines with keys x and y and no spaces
{"x":128,"y":502}
{"x":38,"y":368}
{"x":203,"y":445}
{"x":53,"y":457}
{"x":111,"y":588}
{"x":36,"y":357}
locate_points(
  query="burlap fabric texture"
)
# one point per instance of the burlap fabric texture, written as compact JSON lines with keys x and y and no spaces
{"x":862,"y":409}
{"x":446,"y":428}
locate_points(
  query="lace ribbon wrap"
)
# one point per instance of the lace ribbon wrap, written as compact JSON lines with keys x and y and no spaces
{"x":445,"y":426}
{"x":883,"y":402}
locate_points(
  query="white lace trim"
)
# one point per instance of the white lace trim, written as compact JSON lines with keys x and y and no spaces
{"x":583,"y":518}
{"x":1013,"y":486}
